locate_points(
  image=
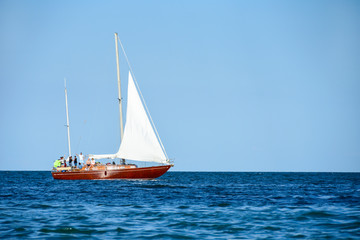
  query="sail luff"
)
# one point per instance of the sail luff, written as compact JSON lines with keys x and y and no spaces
{"x":143,"y":100}
{"x":140,"y":141}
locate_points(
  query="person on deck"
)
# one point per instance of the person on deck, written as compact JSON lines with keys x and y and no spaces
{"x":57,"y":163}
{"x":75,"y":162}
{"x":92,"y":162}
{"x":80,"y":166}
{"x":81,"y":158}
{"x":70,"y":161}
{"x":64,"y":161}
{"x":88,"y":163}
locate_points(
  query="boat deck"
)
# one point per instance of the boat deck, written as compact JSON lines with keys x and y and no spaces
{"x":94,"y":168}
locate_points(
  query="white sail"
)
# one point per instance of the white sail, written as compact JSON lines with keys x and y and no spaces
{"x":139,"y":141}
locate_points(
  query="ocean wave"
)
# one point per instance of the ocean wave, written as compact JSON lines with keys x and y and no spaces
{"x":182,"y":205}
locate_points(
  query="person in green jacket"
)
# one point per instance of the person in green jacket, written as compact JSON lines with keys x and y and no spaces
{"x":57,"y":163}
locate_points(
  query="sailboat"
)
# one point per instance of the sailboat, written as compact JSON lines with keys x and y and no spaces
{"x":139,"y":141}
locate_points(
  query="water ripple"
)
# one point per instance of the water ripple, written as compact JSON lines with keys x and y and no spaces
{"x":182,"y":206}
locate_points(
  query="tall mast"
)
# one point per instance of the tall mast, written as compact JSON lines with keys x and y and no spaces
{"x":67,"y":118}
{"x":119,"y":87}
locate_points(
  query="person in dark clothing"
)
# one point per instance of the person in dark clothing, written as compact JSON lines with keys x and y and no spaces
{"x":75,"y":161}
{"x":63,"y":162}
{"x":70,"y":161}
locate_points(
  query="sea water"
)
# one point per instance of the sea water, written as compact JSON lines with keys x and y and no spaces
{"x":182,"y":205}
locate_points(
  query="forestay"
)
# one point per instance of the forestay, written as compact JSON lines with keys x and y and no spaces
{"x":139,"y":141}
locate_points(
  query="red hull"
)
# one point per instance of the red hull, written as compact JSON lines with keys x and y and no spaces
{"x":128,"y":173}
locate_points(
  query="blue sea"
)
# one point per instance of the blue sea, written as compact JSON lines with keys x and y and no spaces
{"x":182,"y":205}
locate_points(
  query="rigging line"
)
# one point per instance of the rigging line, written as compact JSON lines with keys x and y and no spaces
{"x":147,"y":110}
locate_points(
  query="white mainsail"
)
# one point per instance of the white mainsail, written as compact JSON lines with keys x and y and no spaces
{"x":139,"y":141}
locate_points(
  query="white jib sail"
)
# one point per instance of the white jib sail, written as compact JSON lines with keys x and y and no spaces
{"x":139,"y":141}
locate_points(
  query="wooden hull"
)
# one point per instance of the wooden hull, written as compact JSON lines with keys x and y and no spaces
{"x":126,"y":173}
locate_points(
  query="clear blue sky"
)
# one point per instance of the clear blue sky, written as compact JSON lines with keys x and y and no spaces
{"x":231,"y":85}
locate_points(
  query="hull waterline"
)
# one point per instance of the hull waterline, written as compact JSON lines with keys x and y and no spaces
{"x":129,"y":173}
